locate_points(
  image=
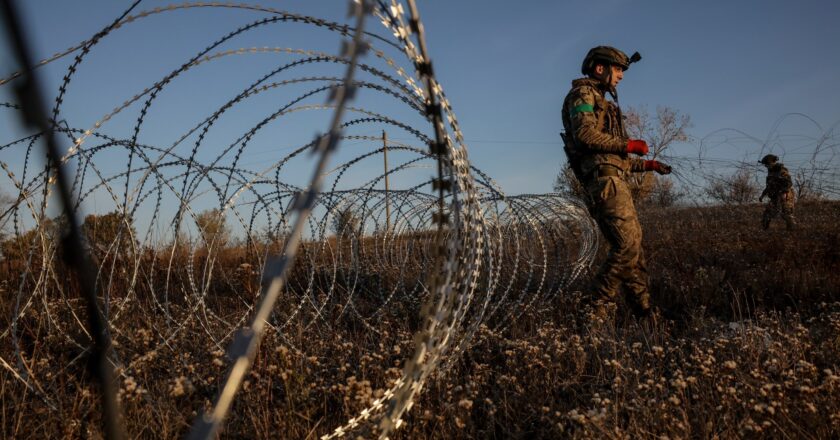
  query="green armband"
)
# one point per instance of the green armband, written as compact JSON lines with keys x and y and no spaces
{"x":583,"y":108}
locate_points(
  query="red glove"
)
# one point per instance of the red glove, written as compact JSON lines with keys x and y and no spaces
{"x":659,"y":167}
{"x":637,"y":146}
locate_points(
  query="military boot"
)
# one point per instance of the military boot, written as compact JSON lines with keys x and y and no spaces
{"x":640,"y":305}
{"x":765,"y":223}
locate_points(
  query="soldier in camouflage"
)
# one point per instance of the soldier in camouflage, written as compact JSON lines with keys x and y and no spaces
{"x":598,"y":150}
{"x":779,"y":190}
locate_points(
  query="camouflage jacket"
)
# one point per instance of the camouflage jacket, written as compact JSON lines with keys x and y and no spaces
{"x":778,"y":181}
{"x":594,"y":136}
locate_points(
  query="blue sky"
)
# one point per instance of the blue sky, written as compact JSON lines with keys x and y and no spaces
{"x":505,"y":66}
{"x":726,"y":64}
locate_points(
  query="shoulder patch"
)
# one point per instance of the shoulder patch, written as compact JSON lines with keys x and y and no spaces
{"x":583,"y":99}
{"x":586,"y":91}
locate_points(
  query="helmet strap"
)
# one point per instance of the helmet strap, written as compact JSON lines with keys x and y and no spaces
{"x":608,"y":84}
{"x":614,"y":95}
{"x":606,"y":81}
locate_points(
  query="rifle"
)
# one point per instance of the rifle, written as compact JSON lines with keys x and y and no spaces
{"x":572,"y":157}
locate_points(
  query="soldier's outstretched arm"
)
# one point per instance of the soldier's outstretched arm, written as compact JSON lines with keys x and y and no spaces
{"x":637,"y":165}
{"x":585,"y":124}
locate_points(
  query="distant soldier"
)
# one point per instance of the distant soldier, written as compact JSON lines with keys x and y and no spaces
{"x":598,"y":150}
{"x":779,"y":190}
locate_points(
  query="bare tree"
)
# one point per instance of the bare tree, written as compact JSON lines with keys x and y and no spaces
{"x":346,"y":222}
{"x":213,"y":228}
{"x":806,"y":186}
{"x":107,"y":230}
{"x":736,"y":189}
{"x":6,"y":202}
{"x":19,"y":246}
{"x":667,"y":127}
{"x":660,"y":131}
{"x":567,"y":184}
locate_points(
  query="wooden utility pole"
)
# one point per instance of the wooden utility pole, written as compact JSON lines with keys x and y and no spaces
{"x":387,"y":200}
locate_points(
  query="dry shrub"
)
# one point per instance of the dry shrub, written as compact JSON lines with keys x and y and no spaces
{"x":754,"y":351}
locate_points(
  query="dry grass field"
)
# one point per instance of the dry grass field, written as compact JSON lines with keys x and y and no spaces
{"x":752,"y":351}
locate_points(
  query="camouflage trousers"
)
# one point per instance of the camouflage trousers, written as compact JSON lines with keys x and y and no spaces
{"x":783,"y":205}
{"x":611,"y":205}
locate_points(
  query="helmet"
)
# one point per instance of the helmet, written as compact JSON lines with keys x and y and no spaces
{"x":769,"y":159}
{"x":607,"y":55}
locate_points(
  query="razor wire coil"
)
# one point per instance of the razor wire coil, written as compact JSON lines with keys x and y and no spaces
{"x":455,"y":250}
{"x":473,"y":219}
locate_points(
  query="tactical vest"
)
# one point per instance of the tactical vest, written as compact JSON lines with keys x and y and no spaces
{"x":778,"y":180}
{"x":582,"y":159}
